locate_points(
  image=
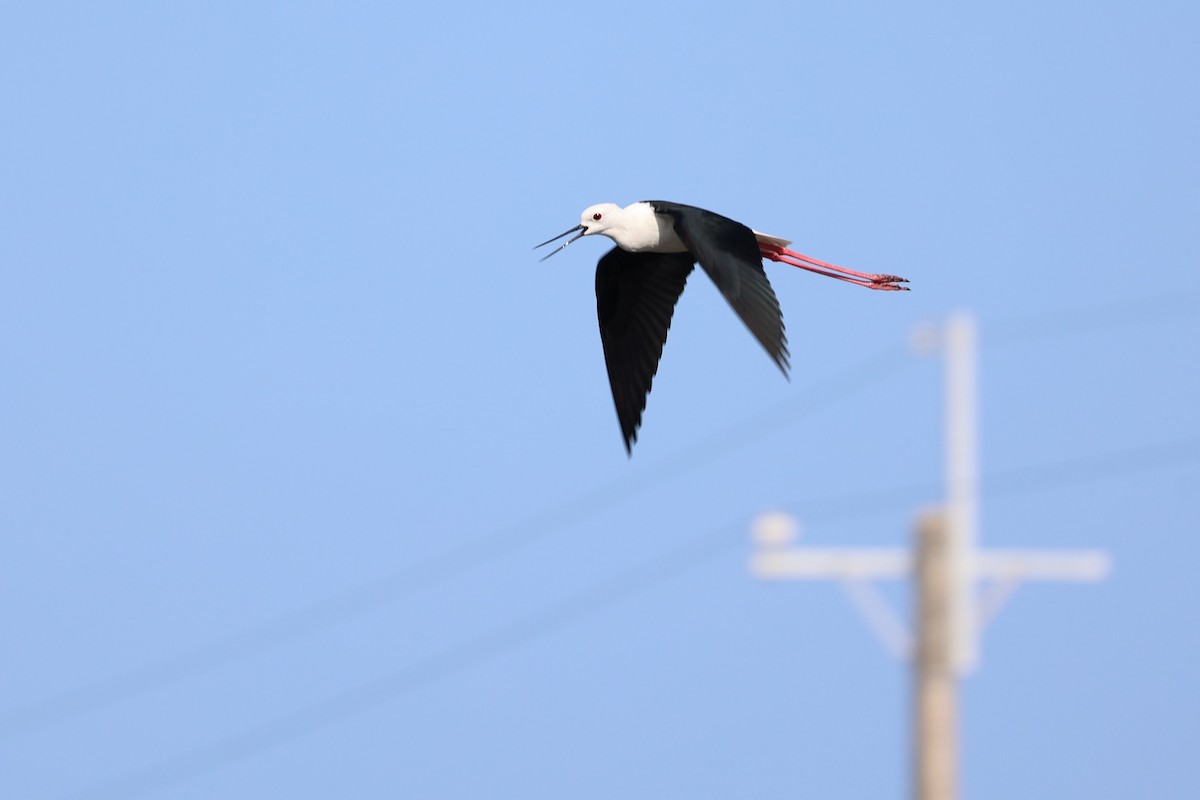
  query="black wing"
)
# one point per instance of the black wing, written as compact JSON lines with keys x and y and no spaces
{"x":728,"y":252}
{"x":635,"y":298}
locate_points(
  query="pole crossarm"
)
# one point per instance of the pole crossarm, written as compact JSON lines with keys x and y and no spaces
{"x":1078,"y":566}
{"x":857,"y":563}
{"x":884,"y":563}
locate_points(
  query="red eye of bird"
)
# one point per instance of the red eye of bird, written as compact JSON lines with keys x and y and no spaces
{"x":596,"y":216}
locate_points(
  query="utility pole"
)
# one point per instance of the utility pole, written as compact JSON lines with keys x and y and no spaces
{"x":935,"y":701}
{"x":962,"y":483}
{"x":958,"y":586}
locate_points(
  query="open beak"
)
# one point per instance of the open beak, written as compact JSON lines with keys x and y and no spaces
{"x":582,"y":232}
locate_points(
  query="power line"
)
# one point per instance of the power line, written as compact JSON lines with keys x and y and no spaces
{"x":410,"y":579}
{"x":418,"y":674}
{"x":1014,"y":480}
{"x":598,"y":597}
{"x":406,"y":580}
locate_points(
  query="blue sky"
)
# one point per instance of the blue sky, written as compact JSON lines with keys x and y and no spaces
{"x":312,"y":484}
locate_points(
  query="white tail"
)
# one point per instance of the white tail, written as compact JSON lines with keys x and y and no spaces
{"x":762,"y":237}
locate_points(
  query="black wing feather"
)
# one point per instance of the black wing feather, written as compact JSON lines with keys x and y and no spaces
{"x":728,"y":252}
{"x":635,"y":299}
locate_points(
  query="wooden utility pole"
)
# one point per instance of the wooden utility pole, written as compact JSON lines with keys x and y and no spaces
{"x":948,"y":567}
{"x":935,"y":702}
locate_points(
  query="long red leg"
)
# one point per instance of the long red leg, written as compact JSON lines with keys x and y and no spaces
{"x":887,"y":283}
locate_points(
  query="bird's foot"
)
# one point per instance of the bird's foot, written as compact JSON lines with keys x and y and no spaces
{"x":886,"y":283}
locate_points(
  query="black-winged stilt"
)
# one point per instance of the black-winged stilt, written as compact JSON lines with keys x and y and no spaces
{"x":639,"y":281}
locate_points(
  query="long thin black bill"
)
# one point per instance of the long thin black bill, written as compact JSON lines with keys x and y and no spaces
{"x":566,"y":233}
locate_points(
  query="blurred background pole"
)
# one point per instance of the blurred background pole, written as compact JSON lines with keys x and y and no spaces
{"x":962,"y":485}
{"x":935,"y":705}
{"x":945,"y":562}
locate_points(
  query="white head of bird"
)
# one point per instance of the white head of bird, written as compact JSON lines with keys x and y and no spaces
{"x":635,"y":229}
{"x":600,"y":218}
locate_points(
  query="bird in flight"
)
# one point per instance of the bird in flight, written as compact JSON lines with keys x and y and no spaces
{"x":639,"y":281}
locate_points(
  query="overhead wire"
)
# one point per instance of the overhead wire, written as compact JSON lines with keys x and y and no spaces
{"x":421,"y":672}
{"x":410,"y":579}
{"x":599,"y":597}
